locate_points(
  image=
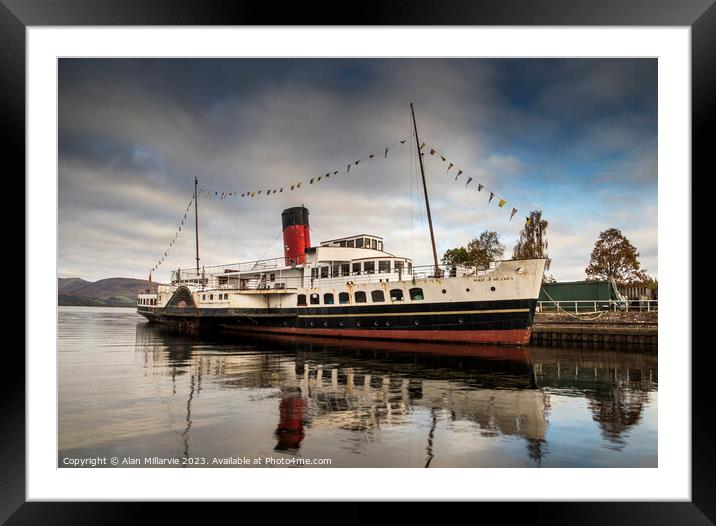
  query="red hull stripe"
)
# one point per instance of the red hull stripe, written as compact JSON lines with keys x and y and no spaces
{"x":507,"y":336}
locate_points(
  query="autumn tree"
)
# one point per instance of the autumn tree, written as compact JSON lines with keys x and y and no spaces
{"x":533,"y":239}
{"x":479,"y":252}
{"x":615,"y":257}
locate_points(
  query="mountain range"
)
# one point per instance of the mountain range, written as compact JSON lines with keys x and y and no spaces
{"x":110,"y":292}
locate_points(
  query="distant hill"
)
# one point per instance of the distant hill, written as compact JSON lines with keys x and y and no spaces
{"x":113,"y":292}
{"x":69,"y":285}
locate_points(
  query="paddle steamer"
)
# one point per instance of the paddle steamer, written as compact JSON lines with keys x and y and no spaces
{"x":351,"y":287}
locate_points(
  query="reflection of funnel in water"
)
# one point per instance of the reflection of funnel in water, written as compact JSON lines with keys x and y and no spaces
{"x":292,"y":413}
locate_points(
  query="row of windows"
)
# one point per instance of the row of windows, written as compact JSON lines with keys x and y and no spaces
{"x":376,"y":296}
{"x":218,"y":297}
{"x":361,"y":242}
{"x":147,"y":301}
{"x":338,"y":268}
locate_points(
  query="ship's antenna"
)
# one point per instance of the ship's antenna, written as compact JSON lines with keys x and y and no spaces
{"x":425,"y":190}
{"x":196,"y":231}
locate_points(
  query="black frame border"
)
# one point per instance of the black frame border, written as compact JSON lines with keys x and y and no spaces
{"x":16,"y":15}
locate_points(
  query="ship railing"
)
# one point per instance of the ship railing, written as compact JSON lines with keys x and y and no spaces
{"x":187,"y":274}
{"x":264,"y":283}
{"x":580,"y":306}
{"x":449,"y":271}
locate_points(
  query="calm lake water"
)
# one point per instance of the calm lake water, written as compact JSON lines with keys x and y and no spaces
{"x":141,"y":394}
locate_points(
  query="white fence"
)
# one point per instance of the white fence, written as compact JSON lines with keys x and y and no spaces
{"x":598,"y":305}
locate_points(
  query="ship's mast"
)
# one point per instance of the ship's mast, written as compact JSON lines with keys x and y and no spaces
{"x":425,"y":191}
{"x":196,"y":230}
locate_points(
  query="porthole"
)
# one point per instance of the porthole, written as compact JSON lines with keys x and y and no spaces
{"x":325,"y":324}
{"x":444,"y":291}
{"x":340,"y":323}
{"x":311,"y":324}
{"x":460,"y":320}
{"x":492,"y":289}
{"x":357,"y":324}
{"x":416,"y":322}
{"x":467,"y":290}
{"x":375,"y":323}
{"x":387,"y":324}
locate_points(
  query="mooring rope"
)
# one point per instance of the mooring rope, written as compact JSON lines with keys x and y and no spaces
{"x":576,"y":316}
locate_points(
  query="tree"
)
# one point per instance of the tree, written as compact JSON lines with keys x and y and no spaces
{"x":615,"y":257}
{"x":485,"y":249}
{"x":533,"y":239}
{"x":456,"y":256}
{"x":479,"y":252}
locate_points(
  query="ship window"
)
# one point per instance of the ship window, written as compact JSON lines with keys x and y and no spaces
{"x":374,"y":244}
{"x":328,"y":299}
{"x":345,"y":269}
{"x":356,"y":269}
{"x":301,"y":300}
{"x":416,"y":294}
{"x":315,"y":299}
{"x":377,"y":296}
{"x":410,"y":268}
{"x":272,"y":277}
{"x":360,"y":297}
{"x":336,"y":269}
{"x":359,"y":242}
{"x":396,"y":295}
{"x":343,"y":298}
{"x":211,"y":296}
{"x":383,"y":266}
{"x":398,"y":265}
{"x":314,"y":273}
{"x":341,"y":243}
{"x":324,"y":272}
{"x":350,"y":243}
{"x":380,"y":245}
{"x":203,"y":297}
{"x":369,"y":267}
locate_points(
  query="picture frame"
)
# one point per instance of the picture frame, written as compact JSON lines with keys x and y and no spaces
{"x":16,"y":16}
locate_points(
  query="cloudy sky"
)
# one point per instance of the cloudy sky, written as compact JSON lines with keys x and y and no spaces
{"x":574,"y":138}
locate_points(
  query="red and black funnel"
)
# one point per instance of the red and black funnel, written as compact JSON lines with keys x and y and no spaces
{"x":296,"y":235}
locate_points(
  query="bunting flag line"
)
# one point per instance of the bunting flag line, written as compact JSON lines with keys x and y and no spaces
{"x":501,"y":202}
{"x":173,"y":241}
{"x":295,"y":186}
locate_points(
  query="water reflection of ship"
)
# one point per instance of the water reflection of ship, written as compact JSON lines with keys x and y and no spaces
{"x":365,"y":387}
